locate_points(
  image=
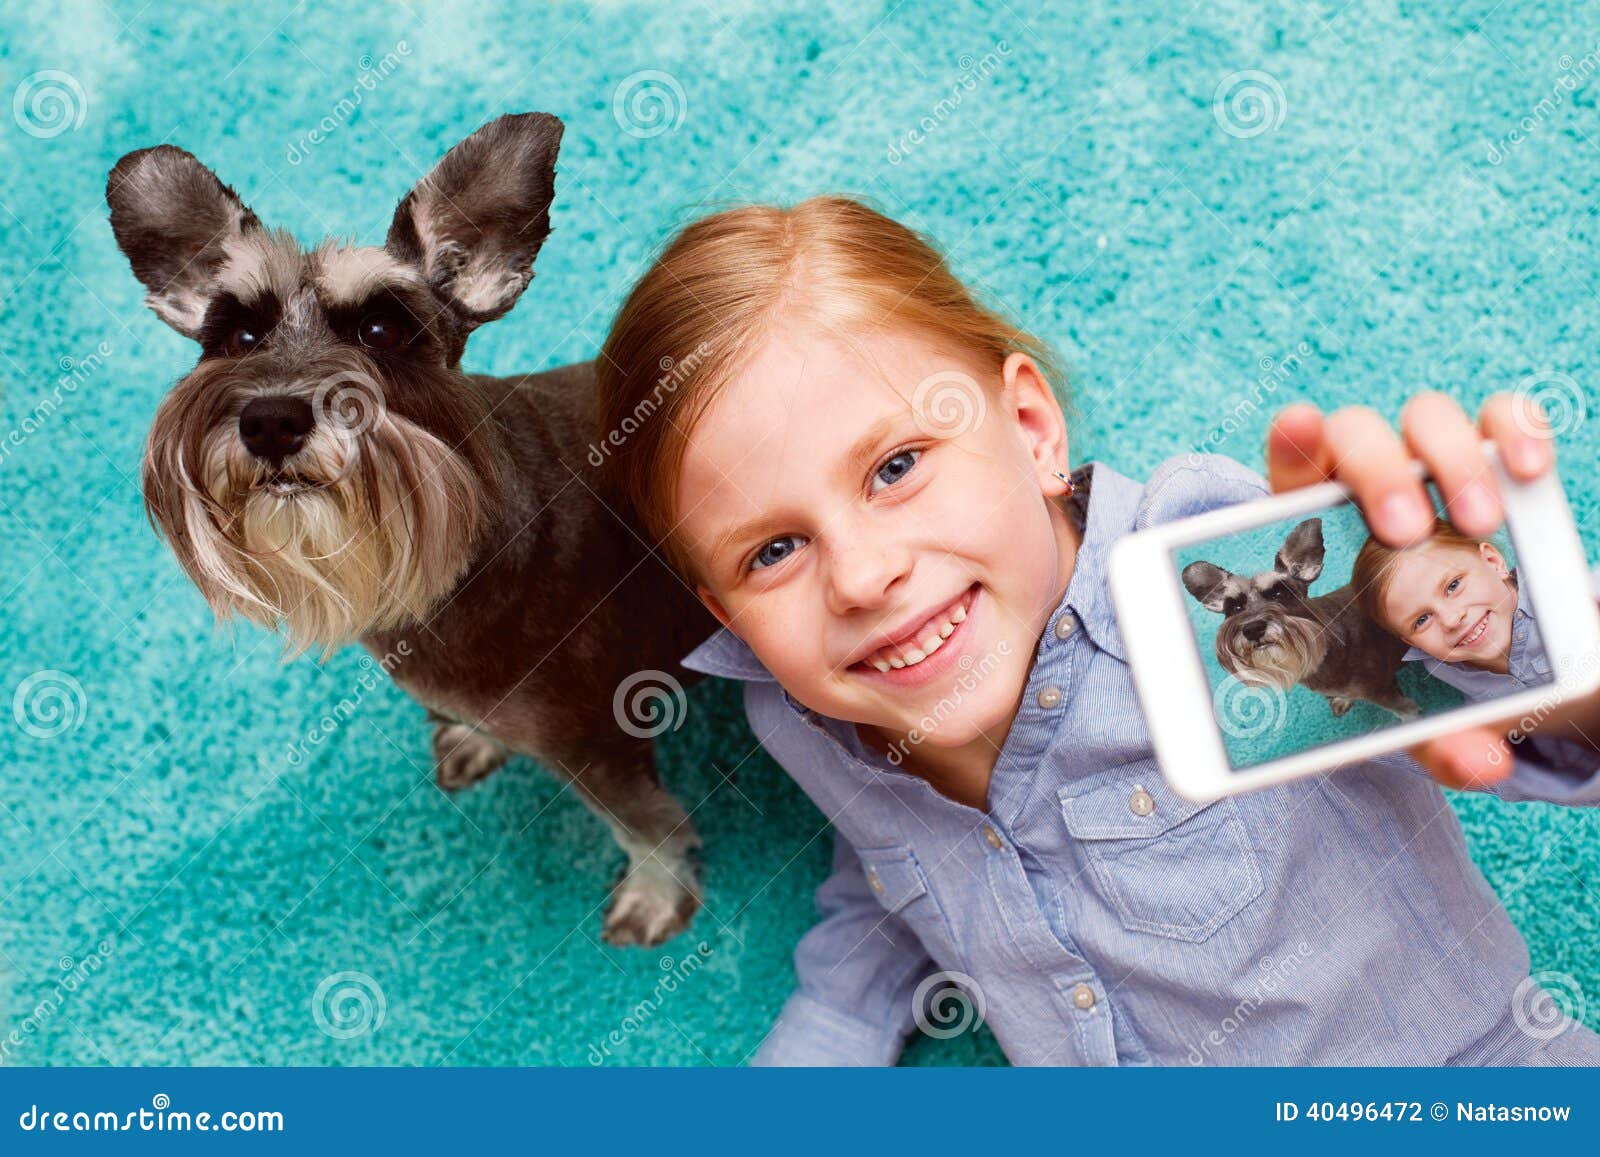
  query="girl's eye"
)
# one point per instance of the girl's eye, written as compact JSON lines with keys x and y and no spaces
{"x":775,"y":552}
{"x":1422,"y":621}
{"x":242,"y":340}
{"x":1451,"y":589}
{"x":378,"y":332}
{"x":895,"y":469}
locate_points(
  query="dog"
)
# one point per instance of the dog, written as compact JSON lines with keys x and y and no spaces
{"x":328,"y":469}
{"x":1275,"y":634}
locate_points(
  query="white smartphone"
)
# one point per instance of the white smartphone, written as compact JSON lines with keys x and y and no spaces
{"x":1269,"y":640}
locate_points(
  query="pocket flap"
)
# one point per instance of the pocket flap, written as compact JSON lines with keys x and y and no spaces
{"x":894,"y":875}
{"x":1131,"y":807}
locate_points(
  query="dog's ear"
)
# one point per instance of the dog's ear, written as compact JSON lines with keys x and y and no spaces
{"x":474,"y":225}
{"x":1205,"y":581}
{"x":174,"y":219}
{"x":1300,"y":557}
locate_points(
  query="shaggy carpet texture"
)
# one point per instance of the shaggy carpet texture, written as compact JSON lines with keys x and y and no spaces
{"x":212,"y":856}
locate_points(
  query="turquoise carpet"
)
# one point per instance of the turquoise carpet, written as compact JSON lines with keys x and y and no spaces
{"x":1211,"y":212}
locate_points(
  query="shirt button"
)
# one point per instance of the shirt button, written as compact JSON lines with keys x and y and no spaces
{"x":1050,"y":697}
{"x":993,"y":837}
{"x":872,"y":878}
{"x":1064,"y":626}
{"x":1083,"y":996}
{"x":1141,"y":802}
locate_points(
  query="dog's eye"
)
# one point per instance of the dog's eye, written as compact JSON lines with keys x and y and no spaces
{"x":242,"y":340}
{"x":1278,"y":594}
{"x":379,"y":332}
{"x":1233,"y":606}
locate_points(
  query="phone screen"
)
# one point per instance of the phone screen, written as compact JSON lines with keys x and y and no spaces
{"x":1311,"y":632}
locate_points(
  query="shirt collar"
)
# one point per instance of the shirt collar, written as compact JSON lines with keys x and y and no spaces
{"x":1109,"y":517}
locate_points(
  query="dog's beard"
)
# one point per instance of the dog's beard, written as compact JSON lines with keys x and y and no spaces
{"x":1291,"y":653}
{"x":363,"y":532}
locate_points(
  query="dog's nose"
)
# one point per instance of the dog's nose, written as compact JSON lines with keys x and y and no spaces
{"x":275,"y":427}
{"x":1255,"y":631}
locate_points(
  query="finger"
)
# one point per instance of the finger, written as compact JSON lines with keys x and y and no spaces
{"x":1520,"y":431}
{"x":1466,"y":760}
{"x":1295,"y":451}
{"x":1437,"y":430}
{"x":1369,"y":458}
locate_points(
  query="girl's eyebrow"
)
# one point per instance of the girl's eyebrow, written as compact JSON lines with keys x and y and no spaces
{"x":856,"y":460}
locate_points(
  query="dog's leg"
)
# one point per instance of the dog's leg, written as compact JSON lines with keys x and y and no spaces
{"x":1339,"y":704}
{"x":659,"y":890}
{"x":462,"y":755}
{"x":1391,"y":698}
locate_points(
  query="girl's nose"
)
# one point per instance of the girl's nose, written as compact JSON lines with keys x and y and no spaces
{"x":863,"y":576}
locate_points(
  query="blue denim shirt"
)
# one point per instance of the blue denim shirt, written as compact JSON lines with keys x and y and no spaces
{"x":1102,"y":918}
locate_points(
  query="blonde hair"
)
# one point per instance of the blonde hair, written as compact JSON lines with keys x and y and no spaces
{"x":1375,"y":564}
{"x":702,"y":310}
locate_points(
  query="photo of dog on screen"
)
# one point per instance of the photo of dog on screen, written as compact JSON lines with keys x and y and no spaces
{"x":1275,"y":633}
{"x":1311,"y":632}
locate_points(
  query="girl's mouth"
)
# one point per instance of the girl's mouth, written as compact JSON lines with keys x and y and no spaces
{"x":927,"y":651}
{"x":1474,"y":636}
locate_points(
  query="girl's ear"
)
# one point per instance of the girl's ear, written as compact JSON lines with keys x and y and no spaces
{"x":713,"y":604}
{"x":1038,"y":414}
{"x":1494,"y":558}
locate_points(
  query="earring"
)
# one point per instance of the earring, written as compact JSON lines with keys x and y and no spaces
{"x":1070,"y":488}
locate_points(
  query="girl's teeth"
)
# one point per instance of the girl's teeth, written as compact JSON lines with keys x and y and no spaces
{"x":932,"y":645}
{"x":914,"y":656}
{"x":946,"y":630}
{"x":897,"y":662}
{"x":880,"y":664}
{"x":959,"y":615}
{"x":910,"y":658}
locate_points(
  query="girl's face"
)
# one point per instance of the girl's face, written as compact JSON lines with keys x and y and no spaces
{"x":871,"y":516}
{"x":1454,"y":602}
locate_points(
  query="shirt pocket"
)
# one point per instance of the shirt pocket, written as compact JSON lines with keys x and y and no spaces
{"x":900,"y":885}
{"x":1165,"y":865}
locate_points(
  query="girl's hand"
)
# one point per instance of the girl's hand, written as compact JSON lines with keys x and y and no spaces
{"x":1358,"y":448}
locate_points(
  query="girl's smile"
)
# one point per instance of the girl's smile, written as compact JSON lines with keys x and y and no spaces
{"x":871,"y":553}
{"x":1454,"y":603}
{"x":926,"y":650}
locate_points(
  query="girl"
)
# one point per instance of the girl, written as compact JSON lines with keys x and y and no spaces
{"x":1456,"y":601}
{"x":864,"y":473}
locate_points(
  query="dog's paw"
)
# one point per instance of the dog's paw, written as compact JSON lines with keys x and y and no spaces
{"x":1339,"y":706}
{"x":463,"y":755}
{"x":651,"y":904}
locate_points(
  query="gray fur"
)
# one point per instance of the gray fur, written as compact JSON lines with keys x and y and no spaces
{"x":1276,"y":634}
{"x":449,"y":519}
